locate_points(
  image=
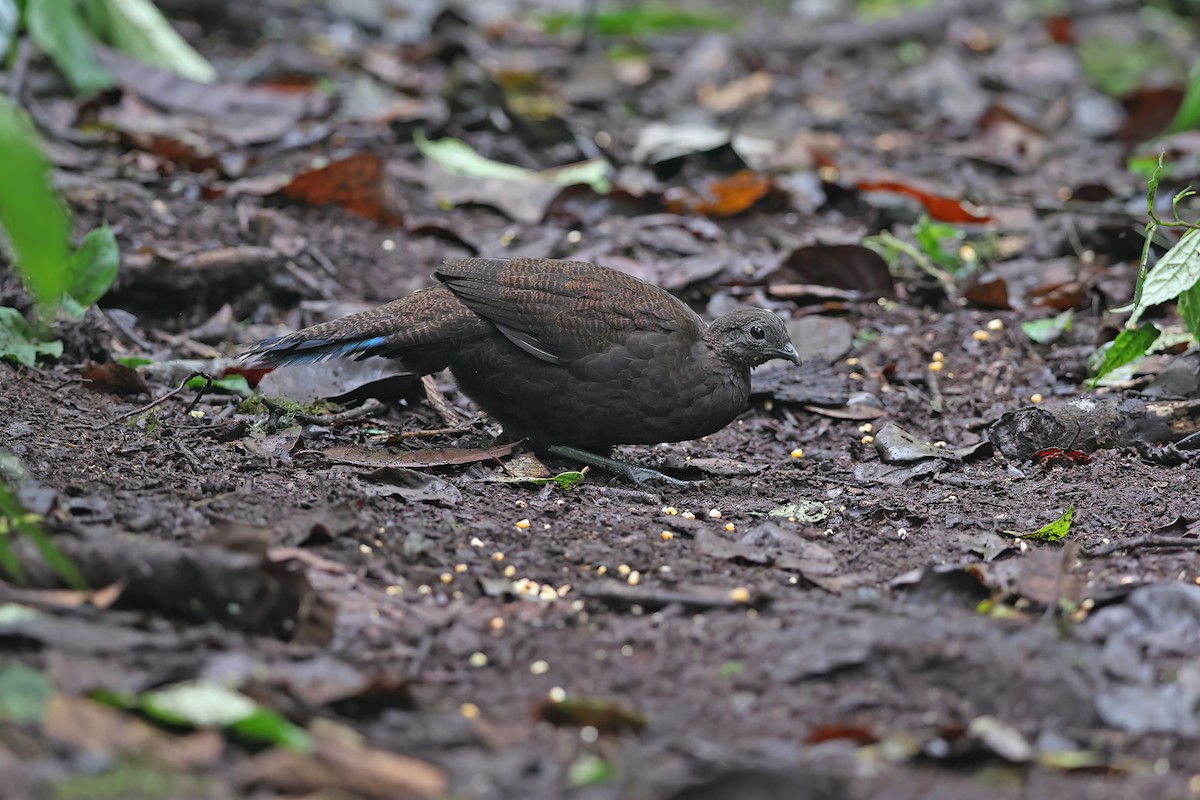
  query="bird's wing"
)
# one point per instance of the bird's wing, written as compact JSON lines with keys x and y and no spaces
{"x":562,"y":311}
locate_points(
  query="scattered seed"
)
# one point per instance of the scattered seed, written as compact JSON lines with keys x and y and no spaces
{"x":476,"y":542}
{"x":365,"y":549}
{"x":445,"y":577}
{"x":539,"y":668}
{"x":497,"y":556}
{"x":478,"y":660}
{"x":623,"y":570}
{"x":557,"y":694}
{"x":866,"y":427}
{"x":469,"y":710}
{"x":728,"y":526}
{"x":394,"y":590}
{"x":688,"y":515}
{"x":667,"y":536}
{"x":522,"y":524}
{"x":1036,"y":398}
{"x":797,"y":453}
{"x":740,"y":595}
{"x":938,"y":356}
{"x":981,"y":336}
{"x":460,"y":568}
{"x":670,"y":510}
{"x":936,"y":366}
{"x":509,"y":571}
{"x":601,"y":570}
{"x":715,"y":513}
{"x":496,"y":623}
{"x":868,"y":439}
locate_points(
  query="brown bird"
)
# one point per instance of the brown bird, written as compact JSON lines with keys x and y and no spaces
{"x":571,"y":356}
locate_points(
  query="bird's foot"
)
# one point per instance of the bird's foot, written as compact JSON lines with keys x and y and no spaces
{"x":639,"y":476}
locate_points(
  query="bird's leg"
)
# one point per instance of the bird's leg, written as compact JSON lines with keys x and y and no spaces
{"x":640,"y":476}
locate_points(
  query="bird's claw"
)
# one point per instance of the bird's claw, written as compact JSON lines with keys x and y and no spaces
{"x":644,"y":476}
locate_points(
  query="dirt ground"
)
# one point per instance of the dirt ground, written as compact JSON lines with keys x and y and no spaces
{"x":835,"y":611}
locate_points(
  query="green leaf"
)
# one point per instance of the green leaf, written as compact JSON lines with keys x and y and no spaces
{"x":93,"y":266}
{"x":1045,"y":331}
{"x":1188,"y":116}
{"x":133,"y":362}
{"x":19,"y":343}
{"x":30,"y":212}
{"x":24,"y":694}
{"x":458,"y":158}
{"x":1177,"y":271}
{"x":199,"y":704}
{"x":231,"y":384}
{"x":1054,"y":531}
{"x":10,"y":18}
{"x":57,"y":28}
{"x":138,"y":28}
{"x":731,"y":669}
{"x":640,"y":20}
{"x":565,"y":480}
{"x":1189,"y":310}
{"x":265,"y":725}
{"x":1130,"y":344}
{"x":204,"y":704}
{"x":589,"y":770}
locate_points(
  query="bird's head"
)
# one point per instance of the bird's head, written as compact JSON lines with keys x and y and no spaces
{"x":751,"y":336}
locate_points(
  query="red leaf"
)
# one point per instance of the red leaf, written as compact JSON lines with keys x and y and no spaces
{"x":357,"y":184}
{"x":942,"y":209}
{"x":723,"y":197}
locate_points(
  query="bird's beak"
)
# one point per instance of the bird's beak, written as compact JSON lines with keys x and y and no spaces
{"x":789,"y":353}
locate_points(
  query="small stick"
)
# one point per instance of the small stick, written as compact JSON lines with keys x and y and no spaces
{"x":434,"y":395}
{"x":1146,"y":540}
{"x":195,"y":374}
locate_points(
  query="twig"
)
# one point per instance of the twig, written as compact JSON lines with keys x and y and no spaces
{"x":922,"y":261}
{"x":434,"y":395}
{"x":1146,"y":540}
{"x":429,"y":434}
{"x":195,"y":374}
{"x":936,"y":404}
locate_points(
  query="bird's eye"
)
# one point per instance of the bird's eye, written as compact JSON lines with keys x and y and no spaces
{"x":756,"y":332}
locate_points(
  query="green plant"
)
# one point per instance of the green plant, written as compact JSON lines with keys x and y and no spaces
{"x":15,"y":522}
{"x":37,"y":227}
{"x":64,"y":30}
{"x":1176,"y":276}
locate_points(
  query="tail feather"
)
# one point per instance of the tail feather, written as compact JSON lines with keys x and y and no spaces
{"x":422,"y":330}
{"x":284,"y":350}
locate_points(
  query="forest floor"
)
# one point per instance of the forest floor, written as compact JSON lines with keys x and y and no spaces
{"x":853,"y":603}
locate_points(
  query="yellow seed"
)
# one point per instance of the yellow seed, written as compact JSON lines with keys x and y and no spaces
{"x":688,"y":515}
{"x":476,"y":542}
{"x":460,"y":568}
{"x":601,"y":570}
{"x":365,"y":549}
{"x":478,"y":660}
{"x":634,"y":578}
{"x":866,"y":427}
{"x":851,"y":362}
{"x":539,"y":668}
{"x":938,"y":356}
{"x":855,"y":376}
{"x":469,"y":710}
{"x":936,"y":366}
{"x":670,"y":510}
{"x":424,"y":589}
{"x":509,"y":571}
{"x":995,"y":325}
{"x":1036,"y":398}
{"x":868,"y":440}
{"x":728,"y":526}
{"x":445,"y":577}
{"x":497,"y":556}
{"x":981,"y":336}
{"x":563,"y":590}
{"x":715,"y":513}
{"x":496,"y":623}
{"x":557,"y":694}
{"x":522,"y":524}
{"x":797,"y":453}
{"x":740,"y":595}
{"x":394,"y":590}
{"x":622,"y":570}
{"x":547,"y":593}
{"x":667,"y":536}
